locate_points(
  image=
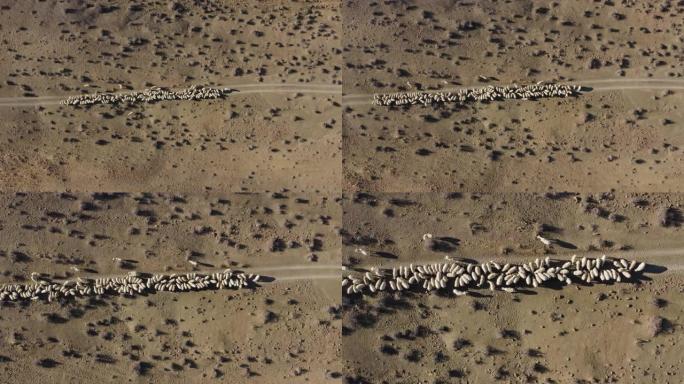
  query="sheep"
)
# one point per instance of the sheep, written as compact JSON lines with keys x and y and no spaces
{"x":463,"y":276}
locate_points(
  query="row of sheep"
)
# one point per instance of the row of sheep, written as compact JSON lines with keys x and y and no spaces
{"x":459,"y":276}
{"x":131,"y":285}
{"x":489,"y":93}
{"x":195,"y":92}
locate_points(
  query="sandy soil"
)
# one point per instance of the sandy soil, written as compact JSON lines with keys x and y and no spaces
{"x":430,"y":44}
{"x":295,"y":176}
{"x":247,"y":182}
{"x":622,"y":134}
{"x":246,"y":143}
{"x":263,"y":138}
{"x":60,"y":47}
{"x":580,"y":334}
{"x":614,"y":148}
{"x":267,"y":335}
{"x":623,"y":139}
{"x":83,"y":234}
{"x":389,"y":228}
{"x":599,"y":334}
{"x":272,"y":335}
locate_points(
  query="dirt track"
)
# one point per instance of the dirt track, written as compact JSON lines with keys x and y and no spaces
{"x":290,"y":172}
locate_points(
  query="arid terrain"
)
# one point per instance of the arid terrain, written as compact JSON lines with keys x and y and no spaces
{"x":621,"y":133}
{"x":248,"y":182}
{"x":592,"y":174}
{"x":65,"y":47}
{"x":389,"y":228}
{"x":624,"y":333}
{"x":599,"y":334}
{"x":280,"y":129}
{"x":269,"y":334}
{"x":357,"y":192}
{"x":245,"y":143}
{"x":626,"y":140}
{"x":110,"y":233}
{"x":404,"y":45}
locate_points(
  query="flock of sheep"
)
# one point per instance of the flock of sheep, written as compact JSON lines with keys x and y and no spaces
{"x":454,"y":275}
{"x":195,"y":92}
{"x":131,"y":285}
{"x":459,"y":276}
{"x":489,"y":93}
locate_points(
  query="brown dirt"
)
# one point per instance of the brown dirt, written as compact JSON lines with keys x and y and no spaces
{"x":579,"y":334}
{"x":295,"y":174}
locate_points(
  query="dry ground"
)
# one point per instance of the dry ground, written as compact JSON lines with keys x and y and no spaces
{"x":623,"y":139}
{"x":390,"y":227}
{"x":433,"y":43}
{"x":252,"y":182}
{"x":65,"y":234}
{"x":251,"y":142}
{"x":245,"y":143}
{"x":59,"y":47}
{"x":611,"y":137}
{"x":580,"y":334}
{"x":272,"y":335}
{"x":268,"y":335}
{"x":600,"y":334}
